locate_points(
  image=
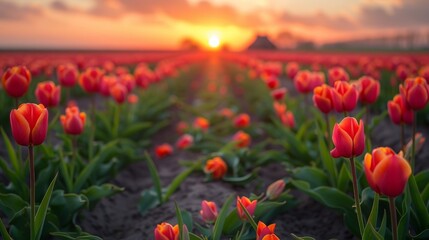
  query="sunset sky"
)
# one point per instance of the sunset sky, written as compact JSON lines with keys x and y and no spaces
{"x":163,"y":24}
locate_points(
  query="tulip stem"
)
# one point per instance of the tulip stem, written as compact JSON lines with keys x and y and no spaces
{"x":393,"y":218}
{"x":92,"y":133}
{"x":328,"y":129}
{"x":356,"y":195}
{"x":32,"y":192}
{"x":413,"y":148}
{"x":16,"y":102}
{"x":402,"y":138}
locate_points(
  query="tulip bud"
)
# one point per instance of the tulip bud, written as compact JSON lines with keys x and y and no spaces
{"x":90,"y":80}
{"x":249,"y":205}
{"x":302,"y":81}
{"x":181,"y":127}
{"x":420,"y":140}
{"x":272,"y":82}
{"x":201,"y":123}
{"x":16,"y":81}
{"x":216,"y":167}
{"x":242,"y":120}
{"x":106,"y":84}
{"x":278,"y":94}
{"x":29,"y":124}
{"x":337,"y":74}
{"x":275,"y":189}
{"x":67,"y":75}
{"x":349,"y":138}
{"x":415,"y":93}
{"x":208,"y":211}
{"x":322,"y":98}
{"x":288,"y":119}
{"x":132,"y":98}
{"x":387,"y":173}
{"x":185,"y":141}
{"x":48,"y":94}
{"x":242,"y":139}
{"x":369,"y":90}
{"x":128,"y":81}
{"x":119,"y":93}
{"x":279,"y":108}
{"x":74,"y":121}
{"x":166,"y":231}
{"x":398,"y":111}
{"x":292,"y":69}
{"x":263,"y":230}
{"x":344,"y":96}
{"x":163,"y":150}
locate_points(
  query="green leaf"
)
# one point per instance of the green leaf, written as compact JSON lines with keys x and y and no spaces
{"x":11,"y":203}
{"x":39,"y":220}
{"x":326,"y":158}
{"x":178,"y":180}
{"x":192,"y":236}
{"x":371,"y":233}
{"x":422,"y":235}
{"x":343,"y":178}
{"x":74,"y":236}
{"x":422,"y":179}
{"x":67,"y":205}
{"x":217,"y":229}
{"x":241,"y":180}
{"x":96,"y":193}
{"x":421,"y":210}
{"x":148,"y":200}
{"x":295,"y":237}
{"x":4,"y":232}
{"x":135,"y":128}
{"x":312,"y":175}
{"x":16,"y":163}
{"x":155,"y":176}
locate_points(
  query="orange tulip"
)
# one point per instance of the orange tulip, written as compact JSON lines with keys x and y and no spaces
{"x":163,"y":150}
{"x":275,"y":189}
{"x":166,"y":231}
{"x":249,"y":205}
{"x":74,"y":121}
{"x":271,"y":237}
{"x":201,"y":123}
{"x":67,"y":75}
{"x":349,"y":138}
{"x":16,"y":81}
{"x":415,"y":92}
{"x":90,"y":80}
{"x":337,"y":74}
{"x":208,"y":211}
{"x":264,"y":230}
{"x":387,"y":173}
{"x":242,"y":139}
{"x":398,"y":111}
{"x":48,"y":94}
{"x":216,"y":167}
{"x":279,"y":108}
{"x":322,"y":98}
{"x":29,"y":124}
{"x":185,"y":141}
{"x":369,"y":89}
{"x":344,"y":96}
{"x":242,"y":120}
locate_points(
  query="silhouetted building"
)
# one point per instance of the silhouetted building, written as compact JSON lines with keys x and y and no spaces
{"x":262,"y":43}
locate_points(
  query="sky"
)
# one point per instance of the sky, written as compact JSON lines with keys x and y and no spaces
{"x":163,"y":24}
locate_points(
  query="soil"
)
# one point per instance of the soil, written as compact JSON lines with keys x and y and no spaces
{"x":118,"y":217}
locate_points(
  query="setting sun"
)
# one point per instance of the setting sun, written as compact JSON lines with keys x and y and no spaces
{"x":214,"y":41}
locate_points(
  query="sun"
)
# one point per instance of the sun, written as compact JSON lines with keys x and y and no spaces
{"x":214,"y":41}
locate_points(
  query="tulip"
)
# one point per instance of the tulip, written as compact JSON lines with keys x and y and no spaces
{"x":424,"y":72}
{"x":48,"y":94}
{"x":242,"y":139}
{"x":29,"y":124}
{"x":303,"y":82}
{"x":106,"y":83}
{"x":67,"y":75}
{"x":322,"y":98}
{"x":216,"y":167}
{"x":226,"y":113}
{"x":344,"y":96}
{"x":288,"y":119}
{"x":263,"y":230}
{"x":250,"y":206}
{"x":279,"y":108}
{"x":275,"y":189}
{"x":242,"y":120}
{"x":369,"y":90}
{"x":317,"y":79}
{"x":271,"y":237}
{"x":292,"y":69}
{"x":133,"y":98}
{"x":208,"y":211}
{"x":119,"y":93}
{"x":337,"y":74}
{"x":349,"y":138}
{"x":128,"y":81}
{"x":386,"y":172}
{"x":90,"y":80}
{"x":415,"y":92}
{"x":201,"y":123}
{"x":166,"y":231}
{"x":74,"y":121}
{"x":398,"y":111}
{"x":16,"y":81}
{"x":181,"y":127}
{"x":278,"y":94}
{"x":402,"y":72}
{"x":185,"y":141}
{"x":272,"y":82}
{"x":163,"y":150}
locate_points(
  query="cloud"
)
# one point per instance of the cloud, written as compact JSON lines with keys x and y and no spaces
{"x":15,"y":12}
{"x":319,"y":19}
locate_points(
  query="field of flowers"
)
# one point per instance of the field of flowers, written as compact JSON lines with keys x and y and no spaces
{"x":214,"y":145}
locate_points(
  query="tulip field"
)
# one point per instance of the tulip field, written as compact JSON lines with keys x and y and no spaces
{"x":211,"y":145}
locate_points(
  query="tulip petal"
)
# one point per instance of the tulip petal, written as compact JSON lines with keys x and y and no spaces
{"x":343,"y":143}
{"x":417,"y":97}
{"x":359,"y":140}
{"x":394,"y":111}
{"x":20,"y":128}
{"x":391,"y":175}
{"x":40,"y":129}
{"x":350,"y":99}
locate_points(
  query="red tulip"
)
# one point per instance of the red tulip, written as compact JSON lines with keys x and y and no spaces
{"x":424,"y":72}
{"x":369,"y":90}
{"x":249,"y":205}
{"x":279,"y":108}
{"x":90,"y":80}
{"x":74,"y":121}
{"x":272,"y":82}
{"x":264,"y":230}
{"x":166,"y":231}
{"x":349,"y":138}
{"x":322,"y":98}
{"x":216,"y":167}
{"x":402,"y":72}
{"x":29,"y":124}
{"x":242,"y":139}
{"x":415,"y":92}
{"x":344,"y":96}
{"x":67,"y":75}
{"x":337,"y":74}
{"x":242,"y":120}
{"x":387,"y":173}
{"x":278,"y":94}
{"x":16,"y":81}
{"x":181,"y":127}
{"x":287,"y":119}
{"x":398,"y":112}
{"x":106,"y":83}
{"x":292,"y":69}
{"x":132,"y":98}
{"x":302,"y":81}
{"x":48,"y":94}
{"x":208,"y":211}
{"x":184,"y":141}
{"x":119,"y":93}
{"x":128,"y":81}
{"x":201,"y":123}
{"x":163,"y":150}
